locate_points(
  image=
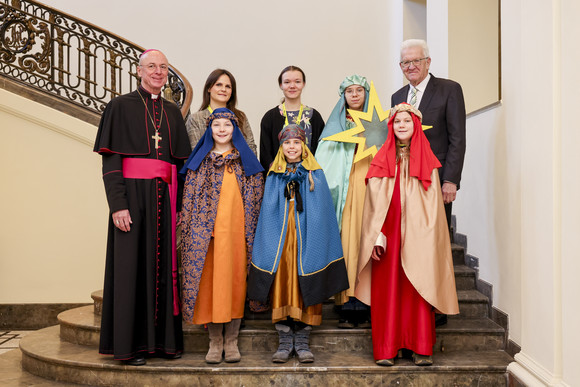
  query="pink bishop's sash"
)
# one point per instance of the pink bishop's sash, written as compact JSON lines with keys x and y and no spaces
{"x":136,"y":168}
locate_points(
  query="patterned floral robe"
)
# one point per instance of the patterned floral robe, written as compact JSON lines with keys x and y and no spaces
{"x":200,"y":203}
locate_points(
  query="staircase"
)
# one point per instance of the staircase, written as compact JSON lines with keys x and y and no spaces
{"x":469,"y":352}
{"x":69,"y":64}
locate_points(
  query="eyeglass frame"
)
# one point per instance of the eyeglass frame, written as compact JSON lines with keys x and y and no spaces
{"x":406,"y":64}
{"x":153,"y":67}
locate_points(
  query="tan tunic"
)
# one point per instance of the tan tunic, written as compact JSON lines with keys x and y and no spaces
{"x":425,"y":247}
{"x":352,"y":223}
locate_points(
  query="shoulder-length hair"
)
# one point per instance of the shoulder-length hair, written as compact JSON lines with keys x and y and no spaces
{"x":232,"y":102}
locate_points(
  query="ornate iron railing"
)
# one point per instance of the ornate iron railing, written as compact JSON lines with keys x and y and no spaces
{"x":71,"y":58}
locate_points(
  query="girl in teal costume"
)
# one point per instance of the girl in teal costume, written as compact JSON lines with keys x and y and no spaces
{"x":346,"y":183}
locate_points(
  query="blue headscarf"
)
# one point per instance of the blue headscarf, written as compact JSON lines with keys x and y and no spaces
{"x":250,"y":163}
{"x":335,"y":158}
{"x":337,"y":119}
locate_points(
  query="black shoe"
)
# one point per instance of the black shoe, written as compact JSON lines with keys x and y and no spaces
{"x":136,"y":361}
{"x":422,"y":360}
{"x":172,"y":356}
{"x":364,"y":319}
{"x":346,"y":324}
{"x":440,"y":319}
{"x":386,"y":362}
{"x":347,"y":319}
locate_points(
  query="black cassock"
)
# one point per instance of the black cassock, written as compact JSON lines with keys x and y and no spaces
{"x":137,"y":314}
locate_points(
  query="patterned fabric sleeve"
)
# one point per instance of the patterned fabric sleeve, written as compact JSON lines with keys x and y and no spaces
{"x":248,"y":135}
{"x":196,"y":127}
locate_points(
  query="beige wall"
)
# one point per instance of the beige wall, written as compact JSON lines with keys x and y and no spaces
{"x":474,"y":50}
{"x":518,"y":203}
{"x":52,"y":234}
{"x":414,"y":19}
{"x":256,"y":39}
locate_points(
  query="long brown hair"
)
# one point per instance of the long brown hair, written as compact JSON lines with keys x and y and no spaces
{"x":232,"y":102}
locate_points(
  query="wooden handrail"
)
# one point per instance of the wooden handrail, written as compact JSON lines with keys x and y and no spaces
{"x":71,"y":59}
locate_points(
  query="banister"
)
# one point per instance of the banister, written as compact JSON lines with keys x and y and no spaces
{"x":72,"y":59}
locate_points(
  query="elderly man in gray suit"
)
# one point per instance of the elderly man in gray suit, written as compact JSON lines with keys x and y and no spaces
{"x":442,"y":105}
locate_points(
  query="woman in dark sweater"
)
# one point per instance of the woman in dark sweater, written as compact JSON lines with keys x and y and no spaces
{"x":291,"y":111}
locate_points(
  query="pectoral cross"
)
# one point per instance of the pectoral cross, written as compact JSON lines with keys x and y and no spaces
{"x":157,"y":138}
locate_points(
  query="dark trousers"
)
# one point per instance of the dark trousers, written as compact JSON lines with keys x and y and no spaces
{"x":448,"y":213}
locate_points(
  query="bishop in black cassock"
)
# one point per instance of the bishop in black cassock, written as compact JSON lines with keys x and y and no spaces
{"x":143,"y":141}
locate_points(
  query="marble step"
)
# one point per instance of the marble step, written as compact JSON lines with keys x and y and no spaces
{"x":44,"y":354}
{"x":472,"y":304}
{"x":82,"y":326}
{"x":464,"y":280}
{"x":12,"y":374}
{"x":458,"y":254}
{"x":464,"y":277}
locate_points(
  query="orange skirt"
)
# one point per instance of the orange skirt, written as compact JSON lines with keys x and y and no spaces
{"x":285,"y":295}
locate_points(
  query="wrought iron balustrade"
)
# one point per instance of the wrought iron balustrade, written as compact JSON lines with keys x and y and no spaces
{"x":70,"y":58}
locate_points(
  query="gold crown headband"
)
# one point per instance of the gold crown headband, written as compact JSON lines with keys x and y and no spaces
{"x":226,"y":115}
{"x":405,"y":107}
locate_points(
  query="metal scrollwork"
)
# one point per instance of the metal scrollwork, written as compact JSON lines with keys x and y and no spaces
{"x":70,"y":58}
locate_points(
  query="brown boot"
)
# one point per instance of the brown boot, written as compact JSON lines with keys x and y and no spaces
{"x":216,"y":343}
{"x":232,"y":329}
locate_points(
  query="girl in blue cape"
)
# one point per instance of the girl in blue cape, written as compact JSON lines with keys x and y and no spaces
{"x":221,"y":205}
{"x":346,"y":181}
{"x":297,"y":261}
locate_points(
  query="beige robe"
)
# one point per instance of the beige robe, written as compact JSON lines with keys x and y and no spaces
{"x":425,"y":247}
{"x":351,"y":224}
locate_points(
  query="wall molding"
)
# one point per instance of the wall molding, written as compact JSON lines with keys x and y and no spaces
{"x":533,"y":374}
{"x":32,"y":316}
{"x":48,"y":125}
{"x":48,"y":118}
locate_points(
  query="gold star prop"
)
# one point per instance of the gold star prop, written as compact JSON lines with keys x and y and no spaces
{"x":375,"y":128}
{"x":376,"y":118}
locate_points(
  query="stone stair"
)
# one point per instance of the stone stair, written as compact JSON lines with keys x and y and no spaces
{"x":469,"y":351}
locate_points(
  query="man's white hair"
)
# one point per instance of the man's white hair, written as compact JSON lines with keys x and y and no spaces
{"x":415,"y":43}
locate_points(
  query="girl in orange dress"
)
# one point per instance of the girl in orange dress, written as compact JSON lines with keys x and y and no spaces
{"x":221,"y":204}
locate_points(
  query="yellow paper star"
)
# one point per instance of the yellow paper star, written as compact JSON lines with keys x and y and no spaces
{"x":352,"y":135}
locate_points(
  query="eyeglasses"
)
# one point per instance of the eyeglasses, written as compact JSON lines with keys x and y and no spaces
{"x":354,"y":90}
{"x":153,"y":67}
{"x":416,"y":62}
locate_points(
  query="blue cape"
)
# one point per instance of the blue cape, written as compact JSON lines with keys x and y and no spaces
{"x":335,"y":158}
{"x":321,"y":268}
